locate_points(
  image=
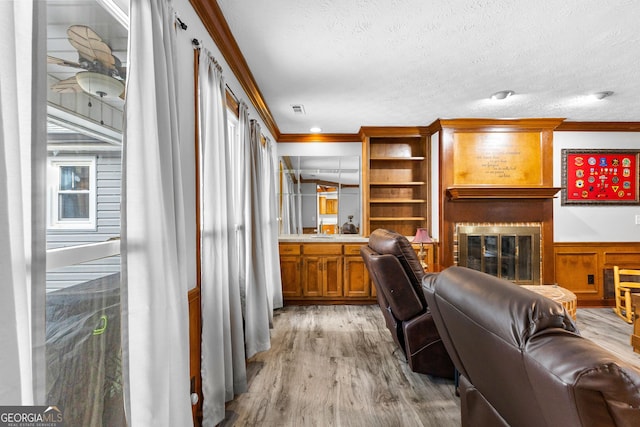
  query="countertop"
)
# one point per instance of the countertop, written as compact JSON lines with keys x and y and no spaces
{"x":322,"y":238}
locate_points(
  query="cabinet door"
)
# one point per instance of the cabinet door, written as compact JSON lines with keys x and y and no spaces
{"x":332,"y":276}
{"x":290,"y":270}
{"x":356,"y":277}
{"x":312,"y":272}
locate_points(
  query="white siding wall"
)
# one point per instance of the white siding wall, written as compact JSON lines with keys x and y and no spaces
{"x":108,"y":170}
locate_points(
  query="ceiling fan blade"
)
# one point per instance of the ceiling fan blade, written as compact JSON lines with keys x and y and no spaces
{"x":64,"y":62}
{"x":69,"y":85}
{"x":90,"y":45}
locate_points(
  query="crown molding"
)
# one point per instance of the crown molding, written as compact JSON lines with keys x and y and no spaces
{"x":391,"y":131}
{"x":599,"y":126}
{"x":213,"y":20}
{"x":325,"y":137}
{"x":488,"y":124}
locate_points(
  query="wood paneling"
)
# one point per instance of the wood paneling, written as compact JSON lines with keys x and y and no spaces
{"x":585,"y":268}
{"x":501,"y":207}
{"x":195,"y":331}
{"x":577,"y":272}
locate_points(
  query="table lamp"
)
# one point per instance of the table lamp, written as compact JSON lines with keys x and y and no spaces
{"x":422,"y":237}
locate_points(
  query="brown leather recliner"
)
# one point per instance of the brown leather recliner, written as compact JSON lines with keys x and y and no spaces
{"x":396,"y":271}
{"x":521,"y":359}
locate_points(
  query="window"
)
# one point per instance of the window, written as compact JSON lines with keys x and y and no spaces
{"x":73,"y":193}
{"x":84,"y":182}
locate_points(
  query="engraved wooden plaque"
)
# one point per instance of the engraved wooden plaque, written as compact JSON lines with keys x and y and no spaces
{"x":497,"y":158}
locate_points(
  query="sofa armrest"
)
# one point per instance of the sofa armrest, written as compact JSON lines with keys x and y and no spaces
{"x":578,"y":379}
{"x":396,"y":286}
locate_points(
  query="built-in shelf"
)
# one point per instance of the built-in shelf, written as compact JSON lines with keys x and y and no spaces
{"x":396,"y":183}
{"x":462,"y":193}
{"x":398,"y":218}
{"x":397,"y":201}
{"x":395,"y":159}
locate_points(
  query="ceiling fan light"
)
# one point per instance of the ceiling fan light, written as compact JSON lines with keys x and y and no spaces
{"x":503,"y":94}
{"x":100,"y":84}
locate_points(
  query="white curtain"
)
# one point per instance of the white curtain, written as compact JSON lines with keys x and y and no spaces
{"x":22,"y":171}
{"x":155,"y":306}
{"x":270,"y":182}
{"x":258,"y":299}
{"x":241,"y":202}
{"x":223,"y":355}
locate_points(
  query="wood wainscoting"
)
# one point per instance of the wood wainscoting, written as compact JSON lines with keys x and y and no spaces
{"x":586,"y":269}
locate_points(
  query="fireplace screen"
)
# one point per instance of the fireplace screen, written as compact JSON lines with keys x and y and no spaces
{"x":511,"y":252}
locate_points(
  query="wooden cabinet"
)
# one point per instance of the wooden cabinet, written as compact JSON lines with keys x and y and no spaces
{"x":321,"y":270}
{"x":324,"y":273}
{"x":290,"y":268}
{"x":321,"y":276}
{"x":356,"y":275}
{"x":395,"y":180}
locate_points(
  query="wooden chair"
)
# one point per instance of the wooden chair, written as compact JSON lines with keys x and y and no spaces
{"x":623,"y":290}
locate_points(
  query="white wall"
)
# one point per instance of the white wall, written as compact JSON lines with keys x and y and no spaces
{"x":186,"y":108}
{"x":593,"y":223}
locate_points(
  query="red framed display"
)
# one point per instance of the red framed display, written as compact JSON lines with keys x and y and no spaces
{"x":600,"y":177}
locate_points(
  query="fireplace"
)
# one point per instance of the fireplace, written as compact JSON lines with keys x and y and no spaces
{"x":511,"y":251}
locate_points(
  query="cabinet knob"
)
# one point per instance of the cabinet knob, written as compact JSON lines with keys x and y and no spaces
{"x":194,"y":399}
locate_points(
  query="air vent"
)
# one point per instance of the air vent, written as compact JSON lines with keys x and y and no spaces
{"x":298,"y":109}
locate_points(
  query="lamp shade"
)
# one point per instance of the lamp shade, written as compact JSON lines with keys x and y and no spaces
{"x":99,"y":84}
{"x":422,"y":236}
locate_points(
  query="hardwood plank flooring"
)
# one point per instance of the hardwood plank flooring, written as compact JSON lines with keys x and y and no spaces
{"x":604,"y":327}
{"x":338,"y":366}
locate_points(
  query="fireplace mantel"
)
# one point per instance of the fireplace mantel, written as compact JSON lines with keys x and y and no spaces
{"x":488,"y":192}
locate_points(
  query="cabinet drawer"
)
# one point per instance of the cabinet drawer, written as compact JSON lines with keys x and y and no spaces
{"x":289,"y":249}
{"x":352,"y":249}
{"x":322,"y":249}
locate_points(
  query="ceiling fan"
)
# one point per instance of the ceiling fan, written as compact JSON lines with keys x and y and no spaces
{"x":102,"y":72}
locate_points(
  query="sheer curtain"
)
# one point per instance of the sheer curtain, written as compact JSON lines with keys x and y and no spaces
{"x":22,"y":172}
{"x":258,"y":300}
{"x":223,"y":354}
{"x":155,"y":306}
{"x":271,"y":249}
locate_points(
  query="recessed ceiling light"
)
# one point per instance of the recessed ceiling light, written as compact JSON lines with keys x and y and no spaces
{"x":503,"y":94}
{"x":602,"y":95}
{"x":315,"y":129}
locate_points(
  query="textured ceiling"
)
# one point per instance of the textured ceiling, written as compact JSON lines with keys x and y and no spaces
{"x":355,"y":63}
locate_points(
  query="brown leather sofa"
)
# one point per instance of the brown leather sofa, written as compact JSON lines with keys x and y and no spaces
{"x":397,"y":274}
{"x":521,"y":359}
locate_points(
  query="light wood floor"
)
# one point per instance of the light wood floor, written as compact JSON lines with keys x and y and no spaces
{"x":338,"y":366}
